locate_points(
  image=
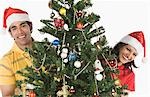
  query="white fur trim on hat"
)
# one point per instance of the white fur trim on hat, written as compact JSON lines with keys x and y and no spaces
{"x":2,"y":30}
{"x":16,"y":17}
{"x":133,"y":42}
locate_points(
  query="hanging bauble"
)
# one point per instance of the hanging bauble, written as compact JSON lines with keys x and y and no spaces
{"x":66,"y":27}
{"x":72,"y":56}
{"x":32,"y":93}
{"x":79,"y":25}
{"x":63,"y":55}
{"x":94,"y":40}
{"x":98,"y":46}
{"x":95,"y":95}
{"x":86,"y":1}
{"x":99,"y":77}
{"x":65,"y":60}
{"x":64,"y":92}
{"x":65,"y":50}
{"x":97,"y":71}
{"x":98,"y":65}
{"x":114,"y":94}
{"x":79,"y":14}
{"x":112,"y":63}
{"x":56,"y":42}
{"x":59,"y":23}
{"x":72,"y":90}
{"x":57,"y":79}
{"x":117,"y":82}
{"x":50,"y":4}
{"x":30,"y":86}
{"x":58,"y":50}
{"x":62,"y":11}
{"x":52,"y":15}
{"x":77,"y":64}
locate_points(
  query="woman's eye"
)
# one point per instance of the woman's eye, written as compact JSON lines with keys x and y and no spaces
{"x":128,"y":49}
{"x":135,"y":54}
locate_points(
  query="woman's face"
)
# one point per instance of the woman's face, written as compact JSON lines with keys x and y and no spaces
{"x":127,"y":54}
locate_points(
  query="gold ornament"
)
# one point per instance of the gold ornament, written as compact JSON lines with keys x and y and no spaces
{"x":79,"y":25}
{"x":62,"y":11}
{"x":50,"y":4}
{"x":64,"y":92}
{"x":117,"y":82}
{"x":57,"y":79}
{"x":98,"y":46}
{"x":23,"y":87}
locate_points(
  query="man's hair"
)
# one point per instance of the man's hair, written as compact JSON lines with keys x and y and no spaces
{"x":30,"y":25}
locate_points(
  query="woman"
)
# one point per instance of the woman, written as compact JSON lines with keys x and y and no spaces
{"x":126,"y":50}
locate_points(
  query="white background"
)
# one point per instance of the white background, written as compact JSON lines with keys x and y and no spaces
{"x":119,"y":17}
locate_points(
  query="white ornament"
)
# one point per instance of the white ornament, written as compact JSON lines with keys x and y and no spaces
{"x":30,"y":86}
{"x":65,"y":60}
{"x":58,"y":52}
{"x":77,"y":64}
{"x":97,"y":71}
{"x":99,"y":77}
{"x":94,"y":39}
{"x":98,"y":65}
{"x":65,"y":50}
{"x":67,"y":6}
{"x":66,"y":27}
{"x":63,"y":55}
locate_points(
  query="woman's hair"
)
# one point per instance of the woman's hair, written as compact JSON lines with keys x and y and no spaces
{"x":116,"y":50}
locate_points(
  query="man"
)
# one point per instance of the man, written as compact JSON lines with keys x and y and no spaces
{"x":19,"y":26}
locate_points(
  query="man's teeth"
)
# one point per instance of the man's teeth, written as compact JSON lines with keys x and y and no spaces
{"x":22,"y":36}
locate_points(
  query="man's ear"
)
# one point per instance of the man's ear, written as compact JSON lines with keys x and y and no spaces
{"x":30,"y":24}
{"x":10,"y":32}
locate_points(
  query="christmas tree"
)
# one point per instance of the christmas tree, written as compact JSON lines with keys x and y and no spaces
{"x":78,"y":64}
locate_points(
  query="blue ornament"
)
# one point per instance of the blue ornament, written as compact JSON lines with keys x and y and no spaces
{"x":72,"y":56}
{"x":56,"y":42}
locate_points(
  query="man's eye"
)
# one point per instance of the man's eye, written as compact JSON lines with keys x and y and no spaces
{"x":13,"y":29}
{"x":24,"y":25}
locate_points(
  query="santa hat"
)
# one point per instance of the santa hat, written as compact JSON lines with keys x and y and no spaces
{"x":13,"y":14}
{"x":137,"y":40}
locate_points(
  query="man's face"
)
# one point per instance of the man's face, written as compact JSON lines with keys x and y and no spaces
{"x":20,"y":31}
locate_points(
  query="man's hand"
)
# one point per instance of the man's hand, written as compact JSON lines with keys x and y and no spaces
{"x":7,"y":90}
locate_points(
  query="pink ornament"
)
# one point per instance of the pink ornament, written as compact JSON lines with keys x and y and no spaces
{"x":59,"y":23}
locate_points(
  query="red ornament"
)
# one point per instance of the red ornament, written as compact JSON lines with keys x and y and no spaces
{"x":112,"y":63}
{"x":95,"y":96}
{"x":79,"y":25}
{"x":79,"y":14}
{"x":59,"y":23}
{"x":32,"y":94}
